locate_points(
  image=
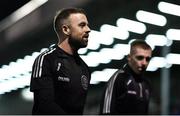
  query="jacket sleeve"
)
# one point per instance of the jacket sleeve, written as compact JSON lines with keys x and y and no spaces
{"x":118,"y":95}
{"x":46,"y":104}
{"x":42,"y":87}
{"x":114,"y":90}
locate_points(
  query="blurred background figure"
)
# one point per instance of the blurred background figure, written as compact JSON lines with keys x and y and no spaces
{"x":128,"y":91}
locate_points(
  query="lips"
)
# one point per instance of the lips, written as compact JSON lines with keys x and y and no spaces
{"x":141,"y":69}
{"x":86,"y":36}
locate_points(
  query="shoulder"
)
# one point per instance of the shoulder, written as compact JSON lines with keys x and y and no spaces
{"x":48,"y":52}
{"x":121,"y":75}
{"x":51,"y":51}
{"x":118,"y":81}
{"x":121,"y":78}
{"x":117,"y":77}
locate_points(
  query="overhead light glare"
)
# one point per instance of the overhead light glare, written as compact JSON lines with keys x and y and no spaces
{"x":157,"y":40}
{"x":169,"y":8}
{"x":114,"y":31}
{"x":131,"y":25}
{"x":173,"y":34}
{"x":173,"y":58}
{"x":151,"y":18}
{"x":21,"y":12}
{"x":157,"y":62}
{"x":102,"y":76}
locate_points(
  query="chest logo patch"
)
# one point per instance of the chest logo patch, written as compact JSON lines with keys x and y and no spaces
{"x":84,"y":82}
{"x":65,"y":79}
{"x":131,"y":92}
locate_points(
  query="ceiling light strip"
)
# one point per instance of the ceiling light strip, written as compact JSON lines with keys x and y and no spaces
{"x":151,"y":18}
{"x":169,"y":8}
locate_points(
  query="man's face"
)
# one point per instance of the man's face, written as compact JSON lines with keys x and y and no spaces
{"x":139,"y":59}
{"x":79,"y":30}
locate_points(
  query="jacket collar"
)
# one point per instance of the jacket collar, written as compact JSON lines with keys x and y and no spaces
{"x":61,"y":53}
{"x":128,"y":70}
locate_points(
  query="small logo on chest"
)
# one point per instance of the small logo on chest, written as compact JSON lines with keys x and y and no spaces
{"x":132,"y":92}
{"x":58,"y":66}
{"x":65,"y":79}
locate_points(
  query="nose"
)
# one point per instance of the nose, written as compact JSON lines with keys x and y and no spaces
{"x":144,"y":62}
{"x":88,"y":29}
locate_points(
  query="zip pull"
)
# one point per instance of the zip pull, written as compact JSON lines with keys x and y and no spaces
{"x":140,"y":86}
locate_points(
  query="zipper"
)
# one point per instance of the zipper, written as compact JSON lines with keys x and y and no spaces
{"x":140,"y":86}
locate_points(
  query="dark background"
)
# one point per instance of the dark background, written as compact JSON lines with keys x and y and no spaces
{"x":37,"y":33}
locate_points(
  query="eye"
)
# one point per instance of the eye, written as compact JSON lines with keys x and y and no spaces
{"x":82,"y":24}
{"x":148,"y":59}
{"x":139,"y":57}
{"x":142,"y":57}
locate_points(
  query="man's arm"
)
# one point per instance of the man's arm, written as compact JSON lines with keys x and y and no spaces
{"x":118,"y":95}
{"x":46,"y":104}
{"x":43,"y":88}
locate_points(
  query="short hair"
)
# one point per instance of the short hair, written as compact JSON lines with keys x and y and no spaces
{"x":63,"y":15}
{"x":140,"y":43}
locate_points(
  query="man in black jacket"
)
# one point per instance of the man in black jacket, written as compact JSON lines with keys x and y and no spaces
{"x":60,"y":78}
{"x":127,"y":91}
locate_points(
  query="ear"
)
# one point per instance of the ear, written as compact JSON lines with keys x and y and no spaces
{"x":66,"y":29}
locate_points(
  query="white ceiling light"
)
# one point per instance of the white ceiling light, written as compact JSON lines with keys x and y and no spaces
{"x":173,"y":58}
{"x":173,"y":34}
{"x":101,"y":76}
{"x":151,"y":18}
{"x":114,"y":31}
{"x":26,"y":94}
{"x":105,"y":55}
{"x":131,"y":25}
{"x":157,"y":40}
{"x":156,"y":62}
{"x":21,"y":12}
{"x":169,"y":8}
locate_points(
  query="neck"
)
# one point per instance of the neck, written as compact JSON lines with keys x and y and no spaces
{"x":67,"y":47}
{"x":137,"y":77}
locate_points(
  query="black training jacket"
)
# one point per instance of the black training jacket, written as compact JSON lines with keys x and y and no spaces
{"x":126,"y":93}
{"x":60,"y":83}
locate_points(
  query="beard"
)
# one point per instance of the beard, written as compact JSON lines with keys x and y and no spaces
{"x":78,"y":42}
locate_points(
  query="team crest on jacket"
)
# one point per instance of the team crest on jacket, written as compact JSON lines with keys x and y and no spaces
{"x":84,"y":82}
